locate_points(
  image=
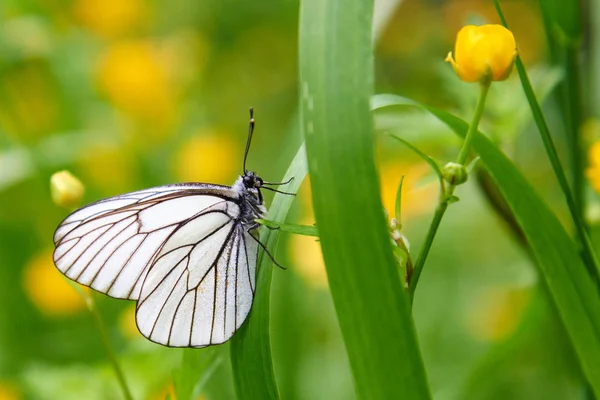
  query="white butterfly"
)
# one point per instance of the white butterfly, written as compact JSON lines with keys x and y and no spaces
{"x":186,"y":252}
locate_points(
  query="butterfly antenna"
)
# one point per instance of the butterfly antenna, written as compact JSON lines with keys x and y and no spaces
{"x":279,"y":183}
{"x":250,"y":132}
{"x":277,"y":191}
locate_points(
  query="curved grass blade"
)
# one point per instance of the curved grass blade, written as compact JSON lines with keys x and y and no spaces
{"x":251,"y":361}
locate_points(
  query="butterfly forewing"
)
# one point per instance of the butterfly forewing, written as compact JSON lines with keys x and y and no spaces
{"x":110,"y":244}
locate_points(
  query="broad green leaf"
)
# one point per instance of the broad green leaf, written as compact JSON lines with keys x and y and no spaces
{"x":568,"y":281}
{"x":336,"y":75}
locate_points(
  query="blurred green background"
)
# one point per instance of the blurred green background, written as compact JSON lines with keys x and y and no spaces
{"x":129,"y":94}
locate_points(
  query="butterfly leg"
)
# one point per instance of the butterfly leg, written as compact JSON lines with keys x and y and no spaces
{"x":268,"y":253}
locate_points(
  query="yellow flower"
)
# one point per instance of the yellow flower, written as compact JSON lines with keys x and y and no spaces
{"x":127,"y":323}
{"x":48,"y":289}
{"x":418,"y":193}
{"x":483,"y":53}
{"x":66,"y":189}
{"x":135,"y":77}
{"x":305,"y":251}
{"x":209,"y":156}
{"x":110,"y":17}
{"x":593,"y":172}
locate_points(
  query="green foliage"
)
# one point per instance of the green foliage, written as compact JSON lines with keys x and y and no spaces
{"x":571,"y":287}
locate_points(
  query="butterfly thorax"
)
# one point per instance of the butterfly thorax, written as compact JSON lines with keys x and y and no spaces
{"x":251,"y":199}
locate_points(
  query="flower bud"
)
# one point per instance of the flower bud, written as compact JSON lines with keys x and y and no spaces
{"x":483,"y":53}
{"x":455,"y":174}
{"x":66,"y":190}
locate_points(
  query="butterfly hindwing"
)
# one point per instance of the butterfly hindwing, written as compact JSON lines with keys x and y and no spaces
{"x":200,"y":288}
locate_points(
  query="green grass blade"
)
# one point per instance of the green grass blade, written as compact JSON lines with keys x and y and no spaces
{"x":589,"y":256}
{"x":570,"y":285}
{"x":336,"y":73}
{"x":251,"y":361}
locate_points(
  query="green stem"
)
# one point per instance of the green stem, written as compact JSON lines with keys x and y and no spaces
{"x":466,"y":148}
{"x":573,"y":110}
{"x":105,"y":341}
{"x":447,"y":197}
{"x":418,"y":267}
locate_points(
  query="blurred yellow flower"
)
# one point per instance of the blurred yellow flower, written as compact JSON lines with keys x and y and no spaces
{"x":418,"y":194}
{"x":483,"y":53}
{"x":305,"y":252}
{"x":66,"y":190}
{"x":497,"y":312}
{"x":127,"y":323}
{"x":209,"y":156}
{"x":9,"y":391}
{"x":110,"y":17}
{"x":136,"y":79}
{"x":593,"y":171}
{"x":48,"y":289}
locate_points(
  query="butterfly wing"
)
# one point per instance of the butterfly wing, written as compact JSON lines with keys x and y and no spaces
{"x":200,"y":288}
{"x":110,"y":244}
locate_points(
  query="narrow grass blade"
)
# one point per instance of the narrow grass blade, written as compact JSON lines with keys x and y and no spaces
{"x":589,"y":256}
{"x":373,"y":310}
{"x":303,"y":230}
{"x":251,"y":361}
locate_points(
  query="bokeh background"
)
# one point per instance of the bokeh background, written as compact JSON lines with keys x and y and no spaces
{"x":129,"y":94}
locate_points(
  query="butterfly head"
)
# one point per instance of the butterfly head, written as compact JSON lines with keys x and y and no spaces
{"x":251,"y":180}
{"x":249,"y":185}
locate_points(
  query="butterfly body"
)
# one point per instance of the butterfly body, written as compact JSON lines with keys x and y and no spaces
{"x":185,"y":252}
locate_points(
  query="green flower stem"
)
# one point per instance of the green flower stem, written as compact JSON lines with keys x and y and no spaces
{"x":447,"y":196}
{"x":466,"y":148}
{"x":418,"y":267}
{"x":91,"y":305}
